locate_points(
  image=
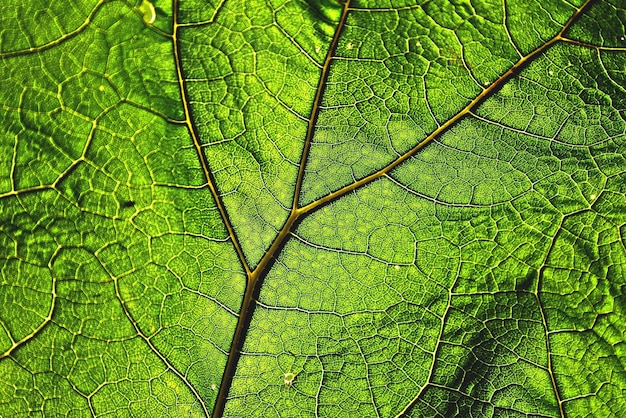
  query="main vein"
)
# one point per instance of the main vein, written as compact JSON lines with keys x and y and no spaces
{"x":255,"y":277}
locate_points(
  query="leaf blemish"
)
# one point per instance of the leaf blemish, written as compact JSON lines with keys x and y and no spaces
{"x":148,"y":11}
{"x":289,"y":378}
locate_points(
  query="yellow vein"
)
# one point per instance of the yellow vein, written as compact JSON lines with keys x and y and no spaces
{"x":255,"y":278}
{"x":204,"y":22}
{"x":148,"y":341}
{"x":592,"y":46}
{"x":316,"y":105}
{"x":57,"y":41}
{"x":196,"y":142}
{"x":491,"y":89}
{"x":46,"y":320}
{"x":297,"y":212}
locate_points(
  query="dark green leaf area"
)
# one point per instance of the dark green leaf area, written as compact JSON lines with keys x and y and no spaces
{"x":491,"y":360}
{"x":603,"y":25}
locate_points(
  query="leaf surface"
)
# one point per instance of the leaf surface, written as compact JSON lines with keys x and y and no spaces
{"x":293,"y":208}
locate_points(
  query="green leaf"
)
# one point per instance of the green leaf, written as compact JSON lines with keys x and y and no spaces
{"x":359,"y":208}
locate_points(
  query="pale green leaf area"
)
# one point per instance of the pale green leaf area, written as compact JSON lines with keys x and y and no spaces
{"x":293,"y":208}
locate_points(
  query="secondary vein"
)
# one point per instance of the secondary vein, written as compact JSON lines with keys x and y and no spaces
{"x":204,"y":162}
{"x":256,"y":277}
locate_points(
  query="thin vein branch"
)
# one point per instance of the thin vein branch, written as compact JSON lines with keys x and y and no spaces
{"x":592,"y":46}
{"x":316,"y":105}
{"x":150,"y":344}
{"x":44,"y":322}
{"x":59,"y":40}
{"x":197,"y":144}
{"x":544,"y":321}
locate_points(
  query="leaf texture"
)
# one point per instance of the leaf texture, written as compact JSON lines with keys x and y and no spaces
{"x":373,"y":208}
